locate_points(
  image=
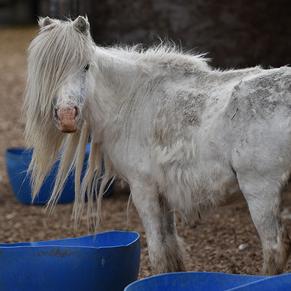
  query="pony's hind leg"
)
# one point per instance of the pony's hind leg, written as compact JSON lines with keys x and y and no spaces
{"x":158,"y":220}
{"x":263,"y":196}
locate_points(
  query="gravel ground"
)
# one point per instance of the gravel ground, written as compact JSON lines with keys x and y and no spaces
{"x":225,"y":240}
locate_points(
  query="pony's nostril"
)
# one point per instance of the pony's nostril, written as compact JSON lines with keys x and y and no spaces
{"x":76,"y":111}
{"x":56,"y":113}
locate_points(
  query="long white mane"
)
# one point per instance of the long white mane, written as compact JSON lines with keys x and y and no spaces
{"x":58,"y":50}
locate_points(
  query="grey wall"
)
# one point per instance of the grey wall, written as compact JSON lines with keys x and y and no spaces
{"x":236,"y":33}
{"x":17,"y":11}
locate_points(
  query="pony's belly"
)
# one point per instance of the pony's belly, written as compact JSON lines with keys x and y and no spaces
{"x":192,"y":191}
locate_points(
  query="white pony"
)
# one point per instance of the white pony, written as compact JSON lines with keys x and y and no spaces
{"x":183,"y":135}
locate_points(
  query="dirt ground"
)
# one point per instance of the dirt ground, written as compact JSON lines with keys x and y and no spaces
{"x":225,"y":240}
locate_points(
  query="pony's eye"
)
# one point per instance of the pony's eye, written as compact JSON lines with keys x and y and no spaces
{"x":86,"y":68}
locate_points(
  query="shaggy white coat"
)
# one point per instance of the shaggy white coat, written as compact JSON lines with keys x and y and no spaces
{"x":183,"y":135}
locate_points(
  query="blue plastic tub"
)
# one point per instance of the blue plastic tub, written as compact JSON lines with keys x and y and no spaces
{"x":103,"y":262}
{"x":205,"y":281}
{"x":272,"y":283}
{"x":17,"y":163}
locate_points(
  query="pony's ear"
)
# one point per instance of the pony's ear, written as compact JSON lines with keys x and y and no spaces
{"x":44,"y":21}
{"x":81,"y":24}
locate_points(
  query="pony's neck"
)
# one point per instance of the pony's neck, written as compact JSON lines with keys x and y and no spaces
{"x":116,"y":76}
{"x":117,"y":71}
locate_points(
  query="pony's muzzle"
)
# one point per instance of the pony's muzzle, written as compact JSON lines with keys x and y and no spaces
{"x":67,"y":118}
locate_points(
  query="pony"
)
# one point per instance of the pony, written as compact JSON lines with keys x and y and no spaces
{"x":183,"y":135}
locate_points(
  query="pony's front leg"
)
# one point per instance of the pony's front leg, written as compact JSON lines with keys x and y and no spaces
{"x":159,"y":223}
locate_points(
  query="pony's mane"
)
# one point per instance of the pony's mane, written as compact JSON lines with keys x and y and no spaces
{"x":166,"y":54}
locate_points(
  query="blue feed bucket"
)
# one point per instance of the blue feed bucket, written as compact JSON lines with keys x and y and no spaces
{"x":103,"y":262}
{"x":205,"y":281}
{"x":17,"y":163}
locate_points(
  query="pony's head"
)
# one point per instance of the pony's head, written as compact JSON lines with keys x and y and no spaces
{"x":66,"y":55}
{"x":58,"y":68}
{"x":58,"y":84}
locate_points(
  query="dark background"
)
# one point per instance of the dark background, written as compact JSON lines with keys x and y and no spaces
{"x":237,"y":33}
